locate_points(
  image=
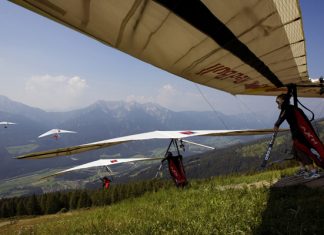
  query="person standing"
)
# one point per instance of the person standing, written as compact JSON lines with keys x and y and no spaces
{"x":303,"y":150}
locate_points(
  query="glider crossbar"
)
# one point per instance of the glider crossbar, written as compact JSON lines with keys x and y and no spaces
{"x":190,"y":142}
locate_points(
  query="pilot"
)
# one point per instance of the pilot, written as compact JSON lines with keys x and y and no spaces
{"x":301,"y":149}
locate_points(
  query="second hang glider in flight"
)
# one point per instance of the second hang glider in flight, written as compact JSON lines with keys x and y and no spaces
{"x":55,"y":133}
{"x":6,"y":124}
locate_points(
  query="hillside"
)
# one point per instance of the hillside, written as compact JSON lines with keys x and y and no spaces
{"x":222,"y":205}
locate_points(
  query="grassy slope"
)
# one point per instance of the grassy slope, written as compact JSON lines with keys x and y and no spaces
{"x":222,"y":205}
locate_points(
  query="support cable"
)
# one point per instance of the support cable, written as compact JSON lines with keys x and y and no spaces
{"x":251,"y":111}
{"x":204,"y":97}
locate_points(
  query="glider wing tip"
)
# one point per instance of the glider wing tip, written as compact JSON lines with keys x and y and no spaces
{"x":19,"y":157}
{"x":45,"y":177}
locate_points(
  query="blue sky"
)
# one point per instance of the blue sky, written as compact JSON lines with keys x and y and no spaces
{"x":46,"y":65}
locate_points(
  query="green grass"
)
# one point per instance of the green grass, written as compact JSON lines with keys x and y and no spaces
{"x":206,"y":207}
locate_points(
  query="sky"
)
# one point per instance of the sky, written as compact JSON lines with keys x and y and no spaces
{"x":46,"y":65}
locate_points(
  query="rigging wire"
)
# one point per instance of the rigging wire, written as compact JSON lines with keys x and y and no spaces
{"x":244,"y":116}
{"x":251,"y":111}
{"x":217,"y":115}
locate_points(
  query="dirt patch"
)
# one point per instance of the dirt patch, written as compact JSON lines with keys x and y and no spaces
{"x":259,"y":184}
{"x":4,"y":223}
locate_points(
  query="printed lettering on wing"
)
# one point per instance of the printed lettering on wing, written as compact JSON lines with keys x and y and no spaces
{"x":222,"y":72}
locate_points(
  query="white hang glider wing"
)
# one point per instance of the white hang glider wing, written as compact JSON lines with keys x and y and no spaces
{"x":7,"y":123}
{"x":55,"y":132}
{"x":241,"y":47}
{"x":142,"y":136}
{"x":103,"y":162}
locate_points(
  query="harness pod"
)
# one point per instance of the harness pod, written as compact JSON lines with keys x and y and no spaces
{"x":105,"y":182}
{"x":176,"y":169}
{"x":316,"y":148}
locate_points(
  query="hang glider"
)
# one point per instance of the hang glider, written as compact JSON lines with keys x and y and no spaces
{"x":174,"y":162}
{"x":5,"y":124}
{"x":103,"y":162}
{"x":241,"y":47}
{"x":143,"y":136}
{"x":55,"y":133}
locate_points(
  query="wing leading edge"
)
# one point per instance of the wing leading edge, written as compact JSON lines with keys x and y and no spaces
{"x":142,"y":136}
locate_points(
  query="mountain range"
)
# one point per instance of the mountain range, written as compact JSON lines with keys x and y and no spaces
{"x":101,"y":120}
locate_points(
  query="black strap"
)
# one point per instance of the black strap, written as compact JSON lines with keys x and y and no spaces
{"x":307,"y":110}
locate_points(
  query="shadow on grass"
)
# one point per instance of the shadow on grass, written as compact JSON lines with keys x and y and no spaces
{"x":293,"y":210}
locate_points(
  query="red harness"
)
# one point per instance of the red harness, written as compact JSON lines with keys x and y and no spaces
{"x":313,"y":147}
{"x":177,"y":171}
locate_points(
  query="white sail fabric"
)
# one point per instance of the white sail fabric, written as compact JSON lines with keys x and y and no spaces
{"x":7,"y":123}
{"x":104,"y":162}
{"x":251,"y":47}
{"x":55,"y":132}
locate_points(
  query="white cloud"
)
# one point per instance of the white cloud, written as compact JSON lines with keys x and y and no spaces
{"x":172,"y":98}
{"x":178,"y":99}
{"x":166,"y":95}
{"x":55,"y":92}
{"x":140,"y":99}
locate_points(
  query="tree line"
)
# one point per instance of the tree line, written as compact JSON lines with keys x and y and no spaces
{"x":63,"y":201}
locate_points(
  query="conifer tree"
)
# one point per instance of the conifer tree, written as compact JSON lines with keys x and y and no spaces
{"x":52,"y":204}
{"x":43,"y":200}
{"x":84,"y":200}
{"x":11,"y":207}
{"x":64,"y":199}
{"x":4,"y":209}
{"x":74,"y":198}
{"x":97,"y":198}
{"x":21,"y":209}
{"x":32,"y":206}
